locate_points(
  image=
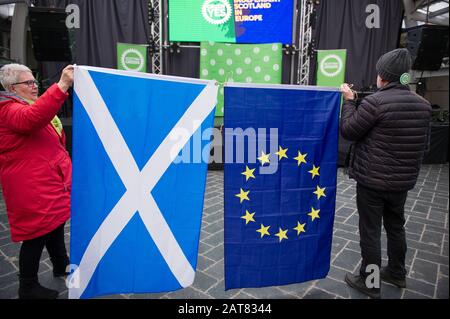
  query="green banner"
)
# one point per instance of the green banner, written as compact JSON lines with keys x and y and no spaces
{"x":245,"y":63}
{"x":331,"y":67}
{"x":200,"y":20}
{"x":132,"y":57}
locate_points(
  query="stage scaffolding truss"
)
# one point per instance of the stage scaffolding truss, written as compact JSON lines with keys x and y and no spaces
{"x":155,"y":48}
{"x":305,"y":41}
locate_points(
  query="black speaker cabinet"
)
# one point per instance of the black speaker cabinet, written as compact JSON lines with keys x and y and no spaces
{"x":49,"y":34}
{"x":428,"y":45}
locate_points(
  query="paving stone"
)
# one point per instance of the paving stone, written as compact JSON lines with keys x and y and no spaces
{"x":432,"y":257}
{"x":218,"y":291}
{"x":421,"y":208}
{"x":346,"y":235}
{"x":204,"y":247}
{"x":445,"y":249}
{"x":352,"y":245}
{"x":339,"y":219}
{"x":443,"y":270}
{"x":10,"y":292}
{"x":147,"y":296}
{"x":426,"y":247}
{"x":411,"y":236}
{"x":243,"y":295}
{"x":11,"y":249}
{"x":265,"y":293}
{"x":346,"y":227}
{"x":216,"y":270}
{"x":214,"y":217}
{"x":338,"y":244}
{"x":214,"y":209}
{"x":213,"y":228}
{"x":432,"y":238}
{"x":390,"y":292}
{"x":203,"y":282}
{"x":216,"y":254}
{"x":216,"y":239}
{"x":335,"y":287}
{"x":441,"y":201}
{"x":298,"y":290}
{"x":353,"y":220}
{"x":6,"y":267}
{"x":420,"y":287}
{"x":438,"y":215}
{"x":424,"y":270}
{"x":337,"y":274}
{"x":188,"y":293}
{"x":8,"y":279}
{"x":315,"y":293}
{"x":203,"y":263}
{"x":345,"y":212}
{"x":415,"y":228}
{"x":436,"y":229}
{"x":347,"y":259}
{"x":442,"y":288}
{"x":413,"y":295}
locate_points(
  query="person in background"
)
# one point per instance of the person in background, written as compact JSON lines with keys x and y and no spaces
{"x":390,"y":129}
{"x":35,"y":173}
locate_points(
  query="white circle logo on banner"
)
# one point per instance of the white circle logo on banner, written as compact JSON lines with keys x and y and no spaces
{"x":331,"y":65}
{"x":216,"y":11}
{"x":132,"y":60}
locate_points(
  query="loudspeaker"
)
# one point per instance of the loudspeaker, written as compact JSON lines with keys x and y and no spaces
{"x":428,"y":44}
{"x":49,"y":34}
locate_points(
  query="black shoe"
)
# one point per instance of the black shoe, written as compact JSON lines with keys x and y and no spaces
{"x":386,"y":276}
{"x":358,"y":283}
{"x":30,"y":288}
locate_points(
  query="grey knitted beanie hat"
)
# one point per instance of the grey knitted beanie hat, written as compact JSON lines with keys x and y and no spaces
{"x":392,"y":65}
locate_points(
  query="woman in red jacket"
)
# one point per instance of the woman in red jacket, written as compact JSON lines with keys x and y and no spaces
{"x":35,"y":173}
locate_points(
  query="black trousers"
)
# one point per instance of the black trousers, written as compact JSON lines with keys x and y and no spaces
{"x":31,"y":251}
{"x":373,"y":208}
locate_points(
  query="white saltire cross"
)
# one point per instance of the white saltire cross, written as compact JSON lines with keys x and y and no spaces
{"x":138,"y":184}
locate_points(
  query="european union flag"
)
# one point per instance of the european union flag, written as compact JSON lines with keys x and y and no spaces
{"x":136,"y":212}
{"x":280,"y":183}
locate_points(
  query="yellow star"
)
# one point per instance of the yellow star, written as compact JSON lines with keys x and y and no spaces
{"x":301,"y":158}
{"x":264,"y":158}
{"x":264,"y":230}
{"x":282,"y":234}
{"x":248,"y":217}
{"x":248,"y":173}
{"x":314,"y":213}
{"x":281,"y":153}
{"x":300,"y":228}
{"x":320,"y":192}
{"x":315,"y":171}
{"x":243,"y":195}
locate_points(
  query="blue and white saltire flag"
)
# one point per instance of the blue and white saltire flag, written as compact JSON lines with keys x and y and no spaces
{"x":136,"y":213}
{"x":279,"y":221}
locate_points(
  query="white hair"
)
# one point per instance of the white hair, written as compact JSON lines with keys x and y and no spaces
{"x":9,"y":74}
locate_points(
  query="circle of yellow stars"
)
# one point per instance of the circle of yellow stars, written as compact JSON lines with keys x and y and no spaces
{"x":243,"y":195}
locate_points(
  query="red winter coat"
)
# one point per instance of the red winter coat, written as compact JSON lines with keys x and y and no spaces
{"x":35,"y":168}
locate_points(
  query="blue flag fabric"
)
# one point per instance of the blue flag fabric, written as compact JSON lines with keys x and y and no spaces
{"x":136,"y":213}
{"x":278,"y":227}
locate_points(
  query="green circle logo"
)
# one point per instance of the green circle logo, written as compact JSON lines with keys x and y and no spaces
{"x":216,"y":11}
{"x":405,"y":79}
{"x":331,"y":65}
{"x":132,"y":60}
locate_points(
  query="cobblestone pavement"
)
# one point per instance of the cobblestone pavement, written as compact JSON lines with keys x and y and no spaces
{"x":427,"y":210}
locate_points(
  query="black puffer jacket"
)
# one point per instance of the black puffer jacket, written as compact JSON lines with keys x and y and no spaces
{"x":391,"y":131}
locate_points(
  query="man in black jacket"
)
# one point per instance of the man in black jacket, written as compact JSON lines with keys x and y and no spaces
{"x":390,"y":129}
